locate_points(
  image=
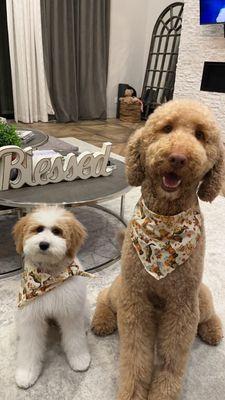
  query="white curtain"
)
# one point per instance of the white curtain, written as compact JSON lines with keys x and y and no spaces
{"x":30,"y":93}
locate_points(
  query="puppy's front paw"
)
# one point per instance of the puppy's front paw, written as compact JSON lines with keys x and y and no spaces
{"x":79,"y":362}
{"x":26,"y":377}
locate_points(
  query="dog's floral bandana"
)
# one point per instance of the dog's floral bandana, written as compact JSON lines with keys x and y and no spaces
{"x":35,"y":283}
{"x":164,"y":242}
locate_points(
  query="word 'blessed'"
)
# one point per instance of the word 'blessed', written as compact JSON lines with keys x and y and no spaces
{"x":43,"y":170}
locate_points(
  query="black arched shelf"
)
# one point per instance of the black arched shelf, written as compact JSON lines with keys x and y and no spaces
{"x":160,"y":73}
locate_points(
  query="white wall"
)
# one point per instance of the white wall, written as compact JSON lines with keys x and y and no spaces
{"x":132,"y":22}
{"x":199,"y":44}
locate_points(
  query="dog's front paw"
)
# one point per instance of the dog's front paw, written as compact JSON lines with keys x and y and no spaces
{"x":26,"y":377}
{"x":129,"y":394}
{"x":126,"y":396}
{"x":158,"y":396}
{"x":162,"y":395}
{"x":79,"y":362}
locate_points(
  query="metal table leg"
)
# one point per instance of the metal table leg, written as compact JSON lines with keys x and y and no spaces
{"x":18,"y":213}
{"x":122,"y":207}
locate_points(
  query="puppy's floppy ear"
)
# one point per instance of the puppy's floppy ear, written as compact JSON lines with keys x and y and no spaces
{"x":77,"y":235}
{"x":134,"y":168}
{"x":18,"y":233}
{"x":212,"y":181}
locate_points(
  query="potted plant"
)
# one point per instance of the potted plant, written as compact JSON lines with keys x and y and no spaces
{"x":8,"y":135}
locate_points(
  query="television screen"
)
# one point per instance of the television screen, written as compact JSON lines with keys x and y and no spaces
{"x":212,"y":12}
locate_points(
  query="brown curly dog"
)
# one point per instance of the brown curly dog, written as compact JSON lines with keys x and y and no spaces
{"x":176,"y":158}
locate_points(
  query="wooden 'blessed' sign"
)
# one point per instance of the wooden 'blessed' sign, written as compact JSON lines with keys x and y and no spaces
{"x":43,"y":170}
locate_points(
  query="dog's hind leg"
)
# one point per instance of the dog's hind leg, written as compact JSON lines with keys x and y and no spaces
{"x":104,"y":321}
{"x":210,"y":326}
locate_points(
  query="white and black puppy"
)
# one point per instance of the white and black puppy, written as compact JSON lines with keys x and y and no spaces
{"x":49,"y":237}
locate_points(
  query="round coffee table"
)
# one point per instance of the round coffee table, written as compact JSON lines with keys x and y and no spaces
{"x":89,"y":193}
{"x":75,"y":193}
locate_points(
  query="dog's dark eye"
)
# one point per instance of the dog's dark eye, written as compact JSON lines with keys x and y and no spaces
{"x":199,"y":135}
{"x":39,"y":229}
{"x":56,"y":231}
{"x":167,"y":128}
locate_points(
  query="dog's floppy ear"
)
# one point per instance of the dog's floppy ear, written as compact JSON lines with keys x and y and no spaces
{"x":212,"y":181}
{"x":18,"y":233}
{"x":134,"y":168}
{"x":77,"y":236}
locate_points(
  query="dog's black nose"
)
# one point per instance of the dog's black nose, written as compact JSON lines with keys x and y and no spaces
{"x":177,"y":160}
{"x":44,"y":245}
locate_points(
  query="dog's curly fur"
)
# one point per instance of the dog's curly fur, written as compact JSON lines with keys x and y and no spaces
{"x":167,"y":313}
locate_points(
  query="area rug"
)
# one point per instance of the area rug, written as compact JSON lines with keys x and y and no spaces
{"x":205,"y":375}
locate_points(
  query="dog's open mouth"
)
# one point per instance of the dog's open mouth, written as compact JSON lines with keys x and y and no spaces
{"x":170,"y":182}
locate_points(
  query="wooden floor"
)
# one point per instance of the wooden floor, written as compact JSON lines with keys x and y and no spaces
{"x":95,"y":132}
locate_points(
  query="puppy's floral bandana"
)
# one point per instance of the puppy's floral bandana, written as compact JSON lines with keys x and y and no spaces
{"x":35,"y":283}
{"x":164,"y":242}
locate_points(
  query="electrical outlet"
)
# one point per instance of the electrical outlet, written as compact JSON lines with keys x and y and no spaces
{"x":115,"y":100}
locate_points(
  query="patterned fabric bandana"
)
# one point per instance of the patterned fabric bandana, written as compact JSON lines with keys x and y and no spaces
{"x":164,"y":242}
{"x":35,"y":283}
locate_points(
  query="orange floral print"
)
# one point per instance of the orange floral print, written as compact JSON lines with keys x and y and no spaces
{"x":164,"y":242}
{"x":35,"y":283}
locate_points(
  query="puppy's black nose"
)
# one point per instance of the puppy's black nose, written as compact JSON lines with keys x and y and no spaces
{"x":177,"y":160}
{"x":44,"y":245}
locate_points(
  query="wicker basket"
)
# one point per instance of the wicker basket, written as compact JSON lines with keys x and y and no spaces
{"x":130,"y":112}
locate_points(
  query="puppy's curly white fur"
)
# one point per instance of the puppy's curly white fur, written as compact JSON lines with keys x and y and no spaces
{"x":49,"y":238}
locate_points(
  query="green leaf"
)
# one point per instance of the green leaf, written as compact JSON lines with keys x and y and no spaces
{"x":8,"y":135}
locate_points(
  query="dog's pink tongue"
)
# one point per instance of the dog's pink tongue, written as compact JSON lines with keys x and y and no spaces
{"x":171,"y":180}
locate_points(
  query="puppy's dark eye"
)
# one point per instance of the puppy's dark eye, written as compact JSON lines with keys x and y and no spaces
{"x":57,"y":231}
{"x":167,"y":128}
{"x":39,"y":229}
{"x":200,"y":135}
